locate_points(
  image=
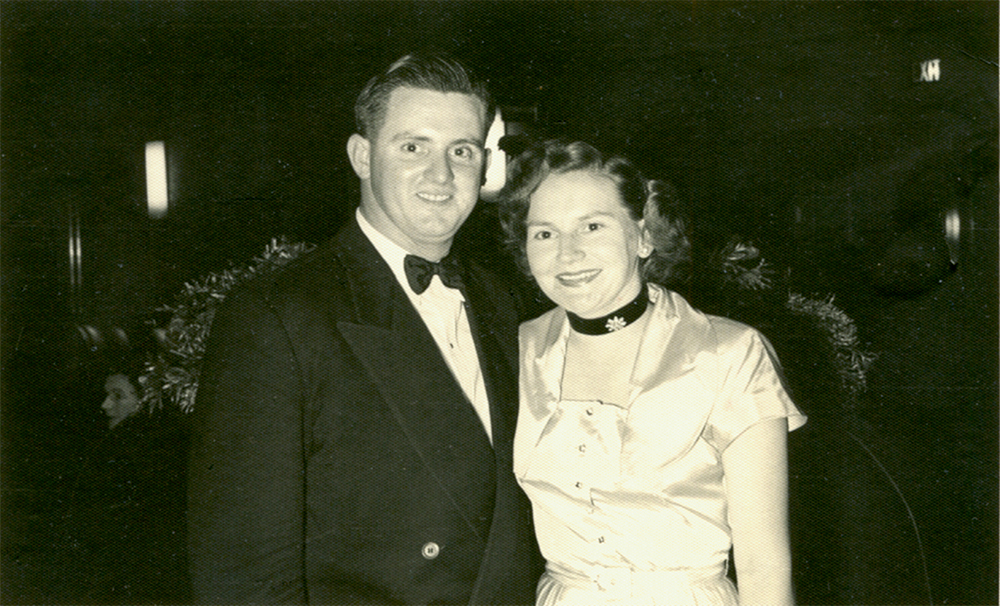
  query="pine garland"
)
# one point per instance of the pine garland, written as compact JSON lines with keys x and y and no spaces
{"x":852,"y":361}
{"x":743,"y":268}
{"x":742,"y":265}
{"x":171,"y":377}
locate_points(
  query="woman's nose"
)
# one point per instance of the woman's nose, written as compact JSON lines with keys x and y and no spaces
{"x":569,"y":248}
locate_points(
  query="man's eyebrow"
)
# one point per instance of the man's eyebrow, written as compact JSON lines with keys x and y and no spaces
{"x":407,"y":135}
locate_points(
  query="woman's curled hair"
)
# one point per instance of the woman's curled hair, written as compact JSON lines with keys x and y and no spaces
{"x":654,"y":201}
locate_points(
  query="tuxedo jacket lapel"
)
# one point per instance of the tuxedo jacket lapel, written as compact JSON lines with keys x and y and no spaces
{"x":497,"y":359}
{"x":495,"y":332}
{"x":403,"y":360}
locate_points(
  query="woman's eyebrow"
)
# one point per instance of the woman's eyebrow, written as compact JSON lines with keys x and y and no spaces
{"x":587,"y":217}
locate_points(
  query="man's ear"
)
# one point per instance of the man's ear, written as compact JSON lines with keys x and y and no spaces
{"x":487,"y":156}
{"x":358,"y":151}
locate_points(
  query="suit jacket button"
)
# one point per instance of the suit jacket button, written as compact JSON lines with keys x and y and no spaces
{"x":430,"y":550}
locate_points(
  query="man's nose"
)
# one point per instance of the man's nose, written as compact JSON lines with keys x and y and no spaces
{"x":439,"y":169}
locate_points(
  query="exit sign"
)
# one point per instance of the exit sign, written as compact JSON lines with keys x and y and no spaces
{"x":927,"y":71}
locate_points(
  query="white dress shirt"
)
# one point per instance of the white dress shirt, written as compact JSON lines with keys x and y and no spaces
{"x":443,"y":311}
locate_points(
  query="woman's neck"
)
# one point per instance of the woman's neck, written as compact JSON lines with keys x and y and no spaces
{"x":599,"y":367}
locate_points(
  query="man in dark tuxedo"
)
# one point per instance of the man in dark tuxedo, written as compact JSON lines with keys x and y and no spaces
{"x":353,"y":427}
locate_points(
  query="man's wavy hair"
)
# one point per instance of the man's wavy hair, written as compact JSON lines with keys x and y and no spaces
{"x":431,"y":71}
{"x":655,"y":201}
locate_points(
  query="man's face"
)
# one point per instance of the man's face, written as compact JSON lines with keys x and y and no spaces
{"x":422,"y":170}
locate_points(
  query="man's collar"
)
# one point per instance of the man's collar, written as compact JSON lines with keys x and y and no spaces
{"x":392,"y":253}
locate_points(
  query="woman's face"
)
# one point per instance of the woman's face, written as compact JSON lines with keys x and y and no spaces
{"x":122,"y":400}
{"x":582,"y":245}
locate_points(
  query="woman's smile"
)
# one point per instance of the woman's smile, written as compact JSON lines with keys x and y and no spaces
{"x":577,"y":278}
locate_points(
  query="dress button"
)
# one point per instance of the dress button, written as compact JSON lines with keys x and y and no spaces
{"x":582,"y":448}
{"x":600,"y":539}
{"x":590,"y":412}
{"x":430,"y":550}
{"x":578,"y":484}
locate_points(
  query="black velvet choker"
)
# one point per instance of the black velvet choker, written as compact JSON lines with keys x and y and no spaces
{"x":615,"y":320}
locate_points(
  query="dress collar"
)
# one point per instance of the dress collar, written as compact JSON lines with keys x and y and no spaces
{"x":674,"y":326}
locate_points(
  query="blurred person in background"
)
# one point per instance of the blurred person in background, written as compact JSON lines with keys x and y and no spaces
{"x":129,"y":501}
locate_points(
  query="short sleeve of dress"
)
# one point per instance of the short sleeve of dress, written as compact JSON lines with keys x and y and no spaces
{"x":752,"y":388}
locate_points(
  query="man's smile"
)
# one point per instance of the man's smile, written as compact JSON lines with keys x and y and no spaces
{"x":429,"y":197}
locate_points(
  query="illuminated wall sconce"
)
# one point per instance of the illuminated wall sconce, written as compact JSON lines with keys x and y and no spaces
{"x":496,"y":174}
{"x":510,"y":122}
{"x":953,"y":234}
{"x":157,"y":196}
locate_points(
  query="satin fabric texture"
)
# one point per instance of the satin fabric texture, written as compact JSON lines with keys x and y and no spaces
{"x":634,"y":491}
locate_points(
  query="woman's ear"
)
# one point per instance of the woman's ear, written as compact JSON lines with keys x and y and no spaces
{"x":645,"y":240}
{"x":358,"y":149}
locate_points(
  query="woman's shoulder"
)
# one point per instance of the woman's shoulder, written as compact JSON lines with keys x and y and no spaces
{"x":537,"y":328}
{"x":718,"y":332}
{"x":730,"y":332}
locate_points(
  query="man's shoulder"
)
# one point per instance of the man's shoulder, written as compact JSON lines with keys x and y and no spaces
{"x":316,"y":278}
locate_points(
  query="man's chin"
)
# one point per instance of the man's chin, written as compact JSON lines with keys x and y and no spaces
{"x":439,"y":233}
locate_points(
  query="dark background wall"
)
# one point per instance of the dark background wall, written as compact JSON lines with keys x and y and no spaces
{"x":800,"y":126}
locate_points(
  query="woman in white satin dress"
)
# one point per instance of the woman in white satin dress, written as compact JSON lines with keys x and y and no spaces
{"x":651,"y":437}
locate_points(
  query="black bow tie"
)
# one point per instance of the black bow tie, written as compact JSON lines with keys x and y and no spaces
{"x":420,"y":271}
